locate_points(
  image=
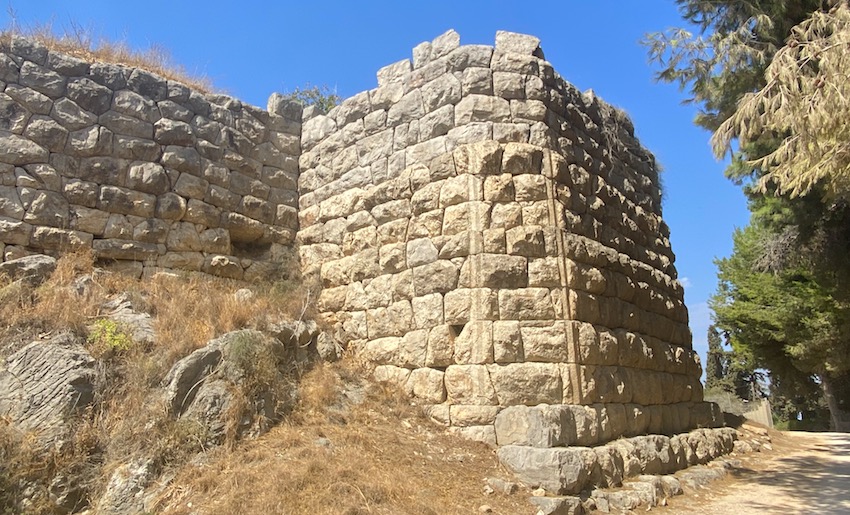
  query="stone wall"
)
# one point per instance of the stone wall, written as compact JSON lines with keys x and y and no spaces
{"x":484,"y":233}
{"x":144,"y":170}
{"x":492,"y":240}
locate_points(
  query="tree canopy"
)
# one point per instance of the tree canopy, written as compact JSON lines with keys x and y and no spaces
{"x":769,"y":77}
{"x":804,"y":105}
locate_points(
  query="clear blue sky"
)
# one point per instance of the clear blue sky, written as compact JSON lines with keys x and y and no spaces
{"x":252,"y":48}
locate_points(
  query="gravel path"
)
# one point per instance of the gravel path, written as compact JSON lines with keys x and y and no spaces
{"x":806,"y":473}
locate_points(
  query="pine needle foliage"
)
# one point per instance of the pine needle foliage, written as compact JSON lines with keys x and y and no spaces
{"x":805,"y":104}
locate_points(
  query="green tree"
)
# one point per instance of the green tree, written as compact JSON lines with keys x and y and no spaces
{"x":715,"y":360}
{"x":322,"y":97}
{"x":783,"y":293}
{"x":804,"y":105}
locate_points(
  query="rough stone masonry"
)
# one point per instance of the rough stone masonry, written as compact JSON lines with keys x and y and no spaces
{"x":484,"y":233}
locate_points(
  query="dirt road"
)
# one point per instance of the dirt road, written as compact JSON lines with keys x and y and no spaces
{"x":806,"y":473}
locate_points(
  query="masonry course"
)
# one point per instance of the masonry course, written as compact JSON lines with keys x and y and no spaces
{"x":486,"y":235}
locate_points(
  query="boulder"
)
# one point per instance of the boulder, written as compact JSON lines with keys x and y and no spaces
{"x":33,"y":269}
{"x":45,"y":383}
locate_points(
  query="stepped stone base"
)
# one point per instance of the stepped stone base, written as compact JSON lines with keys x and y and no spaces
{"x":570,"y":470}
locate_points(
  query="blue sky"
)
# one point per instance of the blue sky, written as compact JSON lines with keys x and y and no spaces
{"x":251,"y":49}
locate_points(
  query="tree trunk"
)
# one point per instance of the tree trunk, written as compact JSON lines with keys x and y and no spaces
{"x":836,"y":390}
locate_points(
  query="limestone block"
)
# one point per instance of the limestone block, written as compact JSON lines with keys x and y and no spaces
{"x":394,"y":72}
{"x":10,"y":203}
{"x":637,"y":420}
{"x":467,"y":216}
{"x":394,"y":320}
{"x":500,"y":271}
{"x":92,"y":221}
{"x":507,"y":342}
{"x":586,"y":424}
{"x":342,"y":205}
{"x":124,"y":249}
{"x":470,"y":384}
{"x":440,"y":346}
{"x":46,"y":208}
{"x":391,"y":375}
{"x":382,"y":350}
{"x":558,"y":470}
{"x":526,"y":240}
{"x":460,"y":189}
{"x":215,"y":241}
{"x":241,"y":228}
{"x":148,"y":178}
{"x":527,"y":383}
{"x":499,"y":188}
{"x":544,"y":343}
{"x":427,"y":310}
{"x":60,"y":239}
{"x":420,"y":252}
{"x":17,"y":150}
{"x":441,"y":276}
{"x":474,"y":344}
{"x":403,"y":285}
{"x":443,"y":91}
{"x":465,"y":304}
{"x":193,"y":261}
{"x":427,"y":384}
{"x":523,"y":159}
{"x":151,"y":230}
{"x":392,"y":210}
{"x":465,"y":416}
{"x":541,"y":426}
{"x":516,"y":43}
{"x":507,"y":132}
{"x":482,"y":108}
{"x":438,"y":414}
{"x":358,"y":241}
{"x":477,"y":81}
{"x":544,"y":272}
{"x":494,"y":241}
{"x":506,"y":215}
{"x":530,"y":188}
{"x":408,"y":108}
{"x":413,"y":349}
{"x":182,"y":159}
{"x":529,"y":110}
{"x":584,"y":306}
{"x":377,"y":292}
{"x":526,"y":304}
{"x":367,"y":151}
{"x":392,"y":258}
{"x":255,"y":208}
{"x":508,"y":85}
{"x":459,"y":245}
{"x":45,"y":132}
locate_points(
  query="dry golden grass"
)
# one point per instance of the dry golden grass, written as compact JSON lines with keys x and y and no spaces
{"x":379,"y":457}
{"x":344,"y":448}
{"x":80,"y":42}
{"x":127,"y":419}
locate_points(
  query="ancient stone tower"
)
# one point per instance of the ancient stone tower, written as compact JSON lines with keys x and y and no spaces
{"x":492,"y":238}
{"x":485,"y":234}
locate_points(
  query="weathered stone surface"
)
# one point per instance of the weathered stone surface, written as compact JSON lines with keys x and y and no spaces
{"x":560,"y":470}
{"x":527,"y":383}
{"x":45,"y":383}
{"x":469,"y":384}
{"x":18,"y":150}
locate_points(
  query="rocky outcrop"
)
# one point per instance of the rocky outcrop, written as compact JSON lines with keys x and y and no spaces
{"x":239,"y":367}
{"x":44,"y":384}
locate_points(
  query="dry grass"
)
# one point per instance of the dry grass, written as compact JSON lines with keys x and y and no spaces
{"x":127,"y":419}
{"x":379,"y":457}
{"x":82,"y":43}
{"x":344,"y":448}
